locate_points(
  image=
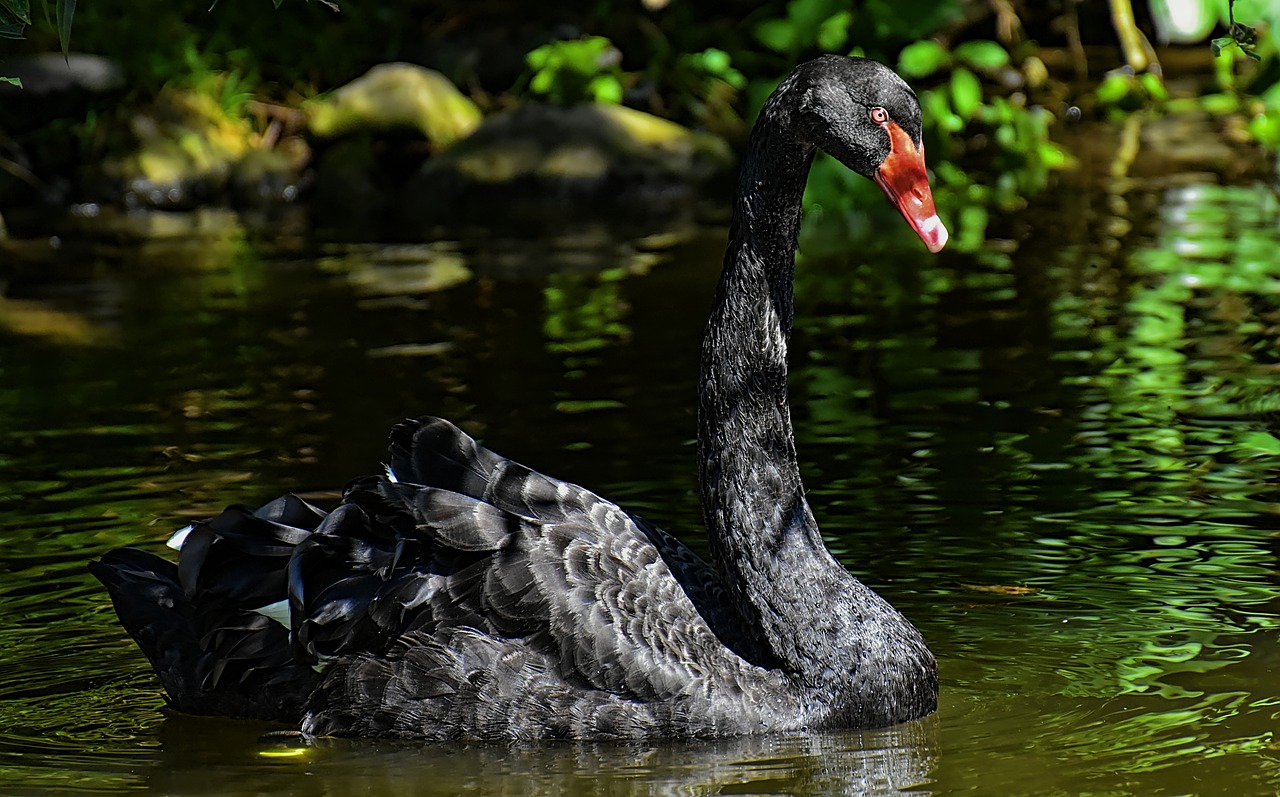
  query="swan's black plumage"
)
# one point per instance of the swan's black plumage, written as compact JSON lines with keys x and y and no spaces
{"x":463,"y":595}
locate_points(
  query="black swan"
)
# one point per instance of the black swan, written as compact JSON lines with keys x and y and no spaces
{"x":464,"y":596}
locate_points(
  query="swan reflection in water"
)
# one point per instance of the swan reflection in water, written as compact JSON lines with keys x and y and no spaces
{"x":883,"y":761}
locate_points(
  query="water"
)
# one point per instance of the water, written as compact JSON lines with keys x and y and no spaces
{"x":1059,"y":463}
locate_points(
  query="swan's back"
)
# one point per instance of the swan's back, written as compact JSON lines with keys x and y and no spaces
{"x":460,"y":596}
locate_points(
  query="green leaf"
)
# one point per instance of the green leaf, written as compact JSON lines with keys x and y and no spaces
{"x":1265,"y":127}
{"x":1219,"y":44}
{"x":1154,"y":86}
{"x":775,"y":34}
{"x":834,"y":32}
{"x":1113,"y":88}
{"x":1261,"y":442}
{"x":938,"y":110}
{"x":982,"y":54}
{"x":715,"y":61}
{"x":11,"y":26}
{"x":21,"y":9}
{"x":1220,"y":103}
{"x":13,"y":81}
{"x":542,"y":82}
{"x":63,"y":12}
{"x":972,"y":227}
{"x":966,"y":93}
{"x":922,"y":58}
{"x":537,"y":58}
{"x":605,"y":89}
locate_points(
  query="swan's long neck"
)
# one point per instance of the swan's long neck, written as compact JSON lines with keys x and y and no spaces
{"x":762,"y":533}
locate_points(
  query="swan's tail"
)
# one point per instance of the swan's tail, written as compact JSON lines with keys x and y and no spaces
{"x":210,"y":625}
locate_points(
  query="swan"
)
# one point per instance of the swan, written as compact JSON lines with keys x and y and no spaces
{"x":461,"y":595}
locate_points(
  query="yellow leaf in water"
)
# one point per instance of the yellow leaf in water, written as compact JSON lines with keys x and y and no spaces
{"x":1000,"y":589}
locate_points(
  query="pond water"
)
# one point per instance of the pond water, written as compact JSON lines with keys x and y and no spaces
{"x":1059,"y":461}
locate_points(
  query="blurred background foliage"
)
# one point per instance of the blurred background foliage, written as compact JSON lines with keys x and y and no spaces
{"x":994,"y":76}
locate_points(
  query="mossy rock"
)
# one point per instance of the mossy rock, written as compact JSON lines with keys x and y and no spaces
{"x":395,"y":97}
{"x":184,"y":150}
{"x":543,"y":163}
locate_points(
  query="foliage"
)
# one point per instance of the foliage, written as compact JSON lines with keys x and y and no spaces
{"x":978,"y":107}
{"x":1247,"y":66}
{"x":229,"y":81}
{"x":578,"y":70}
{"x":15,"y":15}
{"x":709,"y":85}
{"x":582,"y":314}
{"x":878,"y":27}
{"x":1240,"y":35}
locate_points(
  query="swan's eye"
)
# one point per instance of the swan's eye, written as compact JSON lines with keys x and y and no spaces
{"x":879,"y":115}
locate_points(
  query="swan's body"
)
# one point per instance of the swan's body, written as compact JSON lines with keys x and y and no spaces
{"x":465,"y":596}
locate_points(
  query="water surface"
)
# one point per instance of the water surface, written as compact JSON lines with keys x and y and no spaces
{"x":1059,"y":460}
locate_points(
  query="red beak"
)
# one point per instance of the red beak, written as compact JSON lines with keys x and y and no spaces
{"x":903,"y":179}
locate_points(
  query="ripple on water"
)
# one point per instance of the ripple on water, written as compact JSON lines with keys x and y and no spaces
{"x":1061,"y":465}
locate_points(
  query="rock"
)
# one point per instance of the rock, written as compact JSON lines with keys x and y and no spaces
{"x":52,"y":73}
{"x":263,"y":177}
{"x":541,"y":164}
{"x":54,"y":87}
{"x":184,"y":150}
{"x":347,"y":195}
{"x":392,"y":97}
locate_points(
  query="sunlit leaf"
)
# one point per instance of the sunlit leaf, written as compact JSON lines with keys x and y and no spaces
{"x":605,"y":89}
{"x":1265,"y":127}
{"x":937,"y":108}
{"x":775,"y":34}
{"x":13,"y":81}
{"x":1154,"y":86}
{"x":1113,"y":88}
{"x":1261,"y":443}
{"x":1220,"y":103}
{"x":982,"y":54}
{"x":834,"y":32}
{"x":966,"y":92}
{"x":714,"y":60}
{"x":922,"y":58}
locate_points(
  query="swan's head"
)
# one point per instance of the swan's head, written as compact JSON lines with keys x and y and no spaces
{"x":863,"y":114}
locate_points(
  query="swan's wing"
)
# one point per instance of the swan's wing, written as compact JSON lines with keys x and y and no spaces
{"x":701,"y":583}
{"x":564,"y":616}
{"x":435,"y":453}
{"x":542,"y":610}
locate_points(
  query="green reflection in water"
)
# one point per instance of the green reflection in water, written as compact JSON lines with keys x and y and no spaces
{"x":1094,"y":436}
{"x":1061,"y":464}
